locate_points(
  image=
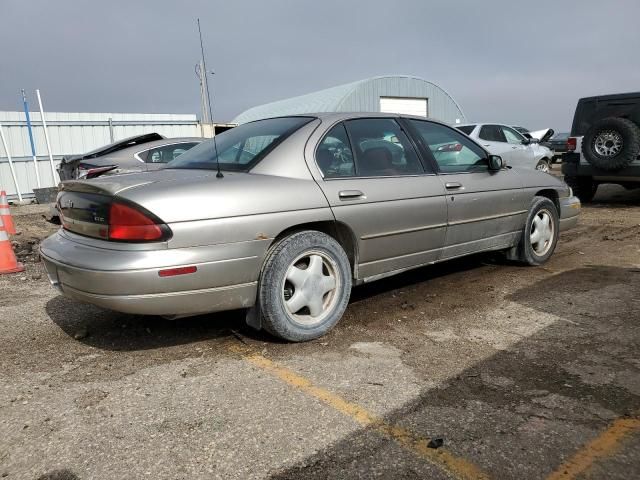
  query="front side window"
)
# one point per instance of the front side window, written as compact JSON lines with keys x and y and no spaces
{"x":334,"y":155}
{"x":492,"y":133}
{"x":512,"y":136}
{"x":452,"y":151}
{"x":167,"y":153}
{"x":381,"y":148}
{"x":242,"y":147}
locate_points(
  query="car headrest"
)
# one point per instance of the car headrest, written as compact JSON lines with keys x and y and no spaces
{"x":377,"y":159}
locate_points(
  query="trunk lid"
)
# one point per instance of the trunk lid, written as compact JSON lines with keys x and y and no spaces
{"x":84,"y":206}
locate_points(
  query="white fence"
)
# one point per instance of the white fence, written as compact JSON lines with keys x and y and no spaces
{"x":75,"y":133}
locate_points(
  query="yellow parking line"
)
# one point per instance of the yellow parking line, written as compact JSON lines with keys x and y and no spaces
{"x":455,"y":466}
{"x":604,"y":445}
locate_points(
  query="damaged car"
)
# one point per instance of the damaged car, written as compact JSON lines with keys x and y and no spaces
{"x":518,"y":149}
{"x":282,"y":216}
{"x":135,"y":154}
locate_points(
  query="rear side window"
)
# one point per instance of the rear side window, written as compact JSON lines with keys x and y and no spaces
{"x":466,"y":129}
{"x":381,"y":148}
{"x":492,"y":133}
{"x":452,"y":151}
{"x":167,"y":153}
{"x":334,"y":155}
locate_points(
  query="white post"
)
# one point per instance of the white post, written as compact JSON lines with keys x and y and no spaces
{"x":13,"y":172}
{"x":46,"y":137}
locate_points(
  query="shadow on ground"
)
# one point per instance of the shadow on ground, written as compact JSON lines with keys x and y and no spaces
{"x":615,"y":196}
{"x":523,"y":411}
{"x":115,"y":331}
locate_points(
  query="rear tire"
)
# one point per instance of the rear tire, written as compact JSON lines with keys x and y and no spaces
{"x":611,"y":143}
{"x":304,"y":286}
{"x":540,"y":233}
{"x":583,"y":187}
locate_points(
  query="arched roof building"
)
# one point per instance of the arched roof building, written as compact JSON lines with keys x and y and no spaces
{"x":393,"y":94}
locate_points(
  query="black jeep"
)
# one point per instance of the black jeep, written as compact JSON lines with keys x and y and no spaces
{"x":604,"y":145}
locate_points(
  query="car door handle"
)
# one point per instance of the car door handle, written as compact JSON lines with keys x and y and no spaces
{"x":453,"y":185}
{"x":349,"y":194}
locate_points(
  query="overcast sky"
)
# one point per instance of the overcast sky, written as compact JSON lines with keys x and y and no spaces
{"x":501,"y":60}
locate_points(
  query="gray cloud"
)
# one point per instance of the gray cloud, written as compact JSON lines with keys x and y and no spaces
{"x":502,"y":61}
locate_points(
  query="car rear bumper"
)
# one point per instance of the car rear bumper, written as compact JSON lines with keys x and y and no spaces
{"x":129,"y":281}
{"x":569,"y":212}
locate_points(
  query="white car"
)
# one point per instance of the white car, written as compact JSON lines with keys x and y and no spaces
{"x":510,"y":144}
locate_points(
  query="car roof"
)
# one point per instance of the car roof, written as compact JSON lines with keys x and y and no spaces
{"x":337,"y":116}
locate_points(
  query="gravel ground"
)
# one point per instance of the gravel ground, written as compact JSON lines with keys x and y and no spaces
{"x":515,"y":369}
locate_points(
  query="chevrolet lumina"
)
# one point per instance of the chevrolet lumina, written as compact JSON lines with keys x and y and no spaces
{"x":303,"y":208}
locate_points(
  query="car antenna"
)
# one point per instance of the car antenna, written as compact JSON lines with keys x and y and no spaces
{"x":206,"y":84}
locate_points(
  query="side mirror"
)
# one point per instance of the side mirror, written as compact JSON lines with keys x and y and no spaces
{"x":496,"y":163}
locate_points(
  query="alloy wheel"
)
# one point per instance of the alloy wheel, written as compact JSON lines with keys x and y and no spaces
{"x":608,"y":143}
{"x":543,"y":167}
{"x":542,"y":232}
{"x":310,"y":289}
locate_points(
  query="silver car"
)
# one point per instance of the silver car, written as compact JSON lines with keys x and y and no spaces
{"x":303,"y":207}
{"x":512,"y":145}
{"x":134,"y":154}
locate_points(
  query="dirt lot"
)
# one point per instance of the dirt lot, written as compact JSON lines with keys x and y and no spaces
{"x":519,"y":372}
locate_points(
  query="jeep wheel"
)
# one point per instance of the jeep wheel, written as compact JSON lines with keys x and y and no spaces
{"x":583,"y":187}
{"x":611,"y":143}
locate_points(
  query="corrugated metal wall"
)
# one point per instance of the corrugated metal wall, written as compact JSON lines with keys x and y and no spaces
{"x":74,"y":133}
{"x":366,"y":98}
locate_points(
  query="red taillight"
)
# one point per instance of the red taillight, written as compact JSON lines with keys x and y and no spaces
{"x":572,"y":144}
{"x":89,"y":171}
{"x":450,"y":147}
{"x":129,"y":224}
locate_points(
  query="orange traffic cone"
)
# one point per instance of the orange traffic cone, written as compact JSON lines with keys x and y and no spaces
{"x":5,"y":214}
{"x":8,"y":261}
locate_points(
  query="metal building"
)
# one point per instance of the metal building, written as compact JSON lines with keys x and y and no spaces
{"x":73,"y":133}
{"x":393,"y":94}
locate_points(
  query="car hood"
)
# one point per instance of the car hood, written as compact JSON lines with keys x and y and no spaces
{"x":542,"y":135}
{"x":180,"y":195}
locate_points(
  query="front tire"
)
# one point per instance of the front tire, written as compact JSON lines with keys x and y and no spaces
{"x":543,"y":165}
{"x":304,"y":286}
{"x":540,"y":234}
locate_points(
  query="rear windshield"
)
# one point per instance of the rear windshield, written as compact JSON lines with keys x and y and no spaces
{"x":240,"y":148}
{"x":466,"y":129}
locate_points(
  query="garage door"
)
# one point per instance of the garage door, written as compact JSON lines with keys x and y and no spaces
{"x":404,"y":105}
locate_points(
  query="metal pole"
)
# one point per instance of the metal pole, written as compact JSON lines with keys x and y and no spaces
{"x":111,"y":129}
{"x":46,"y":137}
{"x":33,"y":147}
{"x":13,"y":172}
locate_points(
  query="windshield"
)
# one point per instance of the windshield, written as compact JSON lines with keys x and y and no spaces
{"x":242,"y":147}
